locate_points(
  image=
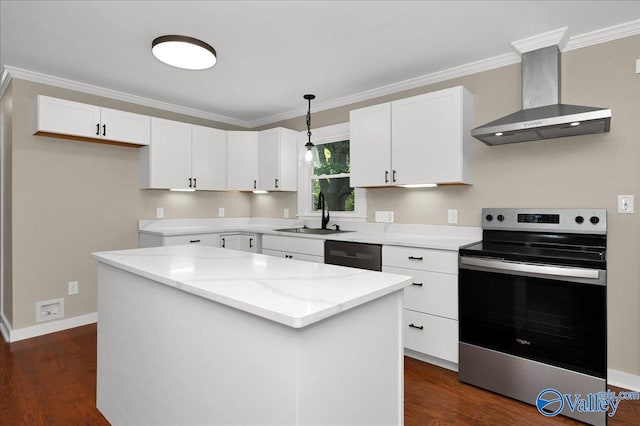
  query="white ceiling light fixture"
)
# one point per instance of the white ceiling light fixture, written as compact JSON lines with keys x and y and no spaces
{"x":184,"y":52}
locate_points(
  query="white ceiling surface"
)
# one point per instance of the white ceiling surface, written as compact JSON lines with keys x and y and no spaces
{"x":270,"y":53}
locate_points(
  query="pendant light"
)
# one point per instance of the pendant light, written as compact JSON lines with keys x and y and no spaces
{"x":184,"y":52}
{"x":308,"y":154}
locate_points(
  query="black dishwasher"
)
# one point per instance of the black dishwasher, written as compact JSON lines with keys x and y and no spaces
{"x":355,"y":255}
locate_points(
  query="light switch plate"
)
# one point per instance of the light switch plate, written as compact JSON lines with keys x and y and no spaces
{"x":625,"y":204}
{"x":286,"y":213}
{"x":384,"y":216}
{"x":159,"y":213}
{"x":452,"y":215}
{"x":221,"y":212}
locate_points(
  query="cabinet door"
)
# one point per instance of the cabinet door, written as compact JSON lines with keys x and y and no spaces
{"x":270,"y":160}
{"x":242,"y":160}
{"x":240,"y":242}
{"x":52,"y":115}
{"x":279,"y":159}
{"x":370,"y":146}
{"x":427,"y":138}
{"x":121,"y":126}
{"x":168,"y":157}
{"x":208,"y":158}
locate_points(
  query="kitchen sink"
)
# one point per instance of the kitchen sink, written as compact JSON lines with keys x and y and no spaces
{"x":317,"y":231}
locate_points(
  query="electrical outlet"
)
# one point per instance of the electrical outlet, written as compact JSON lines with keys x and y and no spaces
{"x":625,"y":204}
{"x":286,"y":213}
{"x":637,"y":66}
{"x":159,"y":213}
{"x":384,"y":216}
{"x":221,"y":212}
{"x":452,"y":215}
{"x":73,"y":288}
{"x":49,"y":309}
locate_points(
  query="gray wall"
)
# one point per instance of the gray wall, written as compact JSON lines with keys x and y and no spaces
{"x":583,"y":171}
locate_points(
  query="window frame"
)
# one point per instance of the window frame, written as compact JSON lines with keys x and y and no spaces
{"x":321,"y":136}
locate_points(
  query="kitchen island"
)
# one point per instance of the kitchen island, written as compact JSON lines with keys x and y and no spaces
{"x":202,"y":335}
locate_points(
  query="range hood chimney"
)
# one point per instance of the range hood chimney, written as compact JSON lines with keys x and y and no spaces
{"x":542,"y":115}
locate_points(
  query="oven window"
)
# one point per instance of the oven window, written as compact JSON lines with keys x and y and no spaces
{"x":555,"y":322}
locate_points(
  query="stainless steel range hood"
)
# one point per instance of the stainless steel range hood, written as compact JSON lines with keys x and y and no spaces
{"x":543,"y":116}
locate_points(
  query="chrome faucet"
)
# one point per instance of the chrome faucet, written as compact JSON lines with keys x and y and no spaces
{"x":322,"y":205}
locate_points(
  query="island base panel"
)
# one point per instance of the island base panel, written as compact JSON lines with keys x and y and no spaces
{"x":169,"y":357}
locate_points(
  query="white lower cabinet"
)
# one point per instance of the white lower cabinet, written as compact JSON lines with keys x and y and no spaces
{"x":150,"y":240}
{"x":431,"y":302}
{"x":240,"y":241}
{"x":432,"y":335}
{"x":309,"y":249}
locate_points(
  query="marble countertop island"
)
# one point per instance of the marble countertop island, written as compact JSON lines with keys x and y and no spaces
{"x":194,"y":334}
{"x":294,"y":293}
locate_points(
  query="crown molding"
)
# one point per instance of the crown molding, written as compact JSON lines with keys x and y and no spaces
{"x":550,"y":38}
{"x":575,"y":42}
{"x":425,"y":80}
{"x":36,"y":77}
{"x":604,"y":35}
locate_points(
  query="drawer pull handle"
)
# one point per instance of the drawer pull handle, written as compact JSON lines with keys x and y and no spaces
{"x":223,"y":243}
{"x":417,"y":284}
{"x":194,"y":241}
{"x":419,"y":327}
{"x":415,"y":258}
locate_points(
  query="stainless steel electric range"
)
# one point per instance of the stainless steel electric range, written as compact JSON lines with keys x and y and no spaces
{"x":532,"y":306}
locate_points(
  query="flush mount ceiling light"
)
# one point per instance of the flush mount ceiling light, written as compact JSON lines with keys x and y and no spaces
{"x":184,"y":52}
{"x":308,"y":154}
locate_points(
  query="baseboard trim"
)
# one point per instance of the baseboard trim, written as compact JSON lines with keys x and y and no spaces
{"x":52,"y":327}
{"x":431,"y":360}
{"x":5,"y":328}
{"x":623,"y":380}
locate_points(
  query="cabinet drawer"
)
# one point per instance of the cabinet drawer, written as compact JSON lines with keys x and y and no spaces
{"x":312,"y":246}
{"x":420,"y":258}
{"x":291,"y":255}
{"x":205,"y":239}
{"x":431,"y":292}
{"x":438,"y":336}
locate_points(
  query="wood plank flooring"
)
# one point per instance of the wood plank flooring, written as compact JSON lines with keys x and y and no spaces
{"x":51,"y":380}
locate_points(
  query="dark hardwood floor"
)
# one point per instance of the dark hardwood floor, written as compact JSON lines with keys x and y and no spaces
{"x":51,"y":380}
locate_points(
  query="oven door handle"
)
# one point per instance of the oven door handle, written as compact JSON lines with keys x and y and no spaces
{"x":555,"y":271}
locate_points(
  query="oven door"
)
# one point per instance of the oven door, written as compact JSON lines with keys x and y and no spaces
{"x":551,"y":314}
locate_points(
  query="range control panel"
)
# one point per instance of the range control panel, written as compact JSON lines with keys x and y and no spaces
{"x":581,"y":221}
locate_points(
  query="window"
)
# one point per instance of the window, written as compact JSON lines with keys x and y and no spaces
{"x":330,"y":174}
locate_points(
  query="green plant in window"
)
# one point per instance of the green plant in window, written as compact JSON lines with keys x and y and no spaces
{"x":330,"y":165}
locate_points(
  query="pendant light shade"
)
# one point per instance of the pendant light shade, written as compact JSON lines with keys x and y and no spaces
{"x":308,"y":153}
{"x":184,"y":52}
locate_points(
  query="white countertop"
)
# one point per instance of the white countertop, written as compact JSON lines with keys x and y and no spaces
{"x":423,"y":236}
{"x":291,"y":292}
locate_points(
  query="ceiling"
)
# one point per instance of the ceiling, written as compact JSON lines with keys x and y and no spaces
{"x":270,"y":53}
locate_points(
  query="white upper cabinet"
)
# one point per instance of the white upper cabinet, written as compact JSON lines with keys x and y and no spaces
{"x":278,"y":159}
{"x":243,"y":173}
{"x":370,"y":146}
{"x":60,"y":117}
{"x":183,"y":156}
{"x":208,"y":158}
{"x":166,"y":162}
{"x":423,"y":139}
